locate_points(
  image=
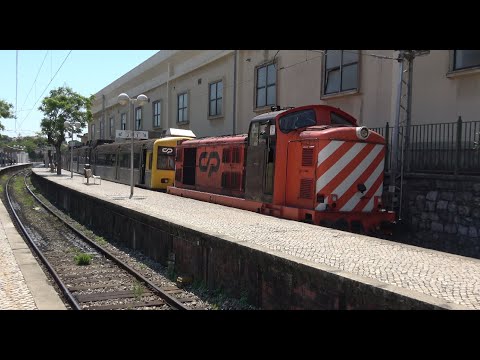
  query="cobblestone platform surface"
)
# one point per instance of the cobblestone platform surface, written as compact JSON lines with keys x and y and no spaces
{"x":14,"y":292}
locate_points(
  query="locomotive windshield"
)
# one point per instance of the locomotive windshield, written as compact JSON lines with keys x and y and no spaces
{"x":297,"y":120}
{"x":336,"y":119}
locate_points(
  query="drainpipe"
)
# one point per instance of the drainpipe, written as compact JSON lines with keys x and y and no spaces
{"x":234,"y":118}
{"x":168,"y":92}
{"x":103,"y":116}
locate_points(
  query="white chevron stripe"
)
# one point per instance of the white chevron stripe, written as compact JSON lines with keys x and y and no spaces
{"x":359,"y":170}
{"x":328,"y":150}
{"x":369,"y":206}
{"x":354,"y":200}
{"x":338,"y":166}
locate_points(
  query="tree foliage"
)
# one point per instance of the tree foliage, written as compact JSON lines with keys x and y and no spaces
{"x":62,"y":105}
{"x":5,"y":111}
{"x":33,"y":145}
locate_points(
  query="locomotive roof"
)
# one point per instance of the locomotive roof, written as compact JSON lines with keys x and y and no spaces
{"x":268,"y":115}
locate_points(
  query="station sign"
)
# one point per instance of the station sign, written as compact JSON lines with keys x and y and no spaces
{"x":127,"y":134}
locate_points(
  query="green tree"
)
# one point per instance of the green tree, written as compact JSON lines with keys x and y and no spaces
{"x":33,"y":145}
{"x":5,"y":112}
{"x":62,"y":105}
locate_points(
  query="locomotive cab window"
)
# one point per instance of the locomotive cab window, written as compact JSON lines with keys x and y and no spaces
{"x":258,"y":133}
{"x":336,"y":119}
{"x":297,"y":120}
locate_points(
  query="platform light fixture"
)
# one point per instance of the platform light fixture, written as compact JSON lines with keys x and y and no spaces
{"x":124,"y":99}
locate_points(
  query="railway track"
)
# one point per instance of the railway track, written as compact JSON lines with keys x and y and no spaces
{"x":104,"y":282}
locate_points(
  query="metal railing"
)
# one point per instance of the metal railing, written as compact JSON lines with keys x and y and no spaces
{"x":447,"y":148}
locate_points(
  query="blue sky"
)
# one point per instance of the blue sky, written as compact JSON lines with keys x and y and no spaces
{"x":85,"y":71}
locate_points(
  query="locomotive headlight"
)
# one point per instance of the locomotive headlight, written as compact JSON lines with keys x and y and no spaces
{"x":363,"y":132}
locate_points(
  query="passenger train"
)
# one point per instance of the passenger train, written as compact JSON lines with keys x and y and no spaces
{"x":153,"y":160}
{"x":310,"y":163}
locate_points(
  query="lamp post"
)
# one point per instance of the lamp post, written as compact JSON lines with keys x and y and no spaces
{"x":71,"y":126}
{"x":124,"y":99}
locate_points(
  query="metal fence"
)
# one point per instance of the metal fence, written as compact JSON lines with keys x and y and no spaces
{"x":447,"y":148}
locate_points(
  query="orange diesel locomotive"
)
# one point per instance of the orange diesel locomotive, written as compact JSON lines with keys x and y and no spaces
{"x":310,"y":163}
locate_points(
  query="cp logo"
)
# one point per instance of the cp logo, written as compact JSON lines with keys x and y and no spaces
{"x":213,"y":167}
{"x":167,"y":151}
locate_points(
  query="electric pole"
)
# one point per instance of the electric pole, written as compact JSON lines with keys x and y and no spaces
{"x":401,"y":128}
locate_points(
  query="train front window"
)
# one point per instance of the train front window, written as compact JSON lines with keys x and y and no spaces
{"x":165,"y":162}
{"x":297,"y":120}
{"x":336,"y":119}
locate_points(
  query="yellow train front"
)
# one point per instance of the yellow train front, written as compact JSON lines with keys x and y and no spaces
{"x":160,"y":162}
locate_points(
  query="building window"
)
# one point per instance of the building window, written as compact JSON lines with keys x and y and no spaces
{"x":156,"y":114}
{"x":123,"y":121}
{"x":102,"y":128}
{"x":215,"y":98}
{"x":138,"y":118}
{"x":341,"y":71}
{"x":464,"y":59}
{"x":93,"y":131}
{"x":182,"y":108}
{"x":112,"y":127}
{"x":266,"y":88}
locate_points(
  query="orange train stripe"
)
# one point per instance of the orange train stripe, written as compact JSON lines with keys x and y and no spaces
{"x":342,"y":174}
{"x":334,"y":157}
{"x":373,"y":189}
{"x":366,"y":174}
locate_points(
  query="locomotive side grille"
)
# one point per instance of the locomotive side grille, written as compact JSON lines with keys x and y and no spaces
{"x":231,"y":180}
{"x":226,"y":156}
{"x":225,"y":179}
{"x":236,"y":155}
{"x":178,"y":175}
{"x":235,"y":180}
{"x":306,"y":188}
{"x":307,"y":156}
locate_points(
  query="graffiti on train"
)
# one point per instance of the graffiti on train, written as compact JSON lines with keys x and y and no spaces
{"x":212,"y":157}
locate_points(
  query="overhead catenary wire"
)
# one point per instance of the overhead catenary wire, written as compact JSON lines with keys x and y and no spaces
{"x":63,"y":62}
{"x":35,"y":81}
{"x":384,"y":57}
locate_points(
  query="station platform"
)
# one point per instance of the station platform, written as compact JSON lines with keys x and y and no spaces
{"x":23,"y":284}
{"x":446,"y":280}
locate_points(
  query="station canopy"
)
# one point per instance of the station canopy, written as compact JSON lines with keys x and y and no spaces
{"x":179,"y":132}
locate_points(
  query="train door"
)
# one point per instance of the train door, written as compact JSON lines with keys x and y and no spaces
{"x":189,"y":165}
{"x":143,"y":161}
{"x":300,"y":184}
{"x":260,"y":161}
